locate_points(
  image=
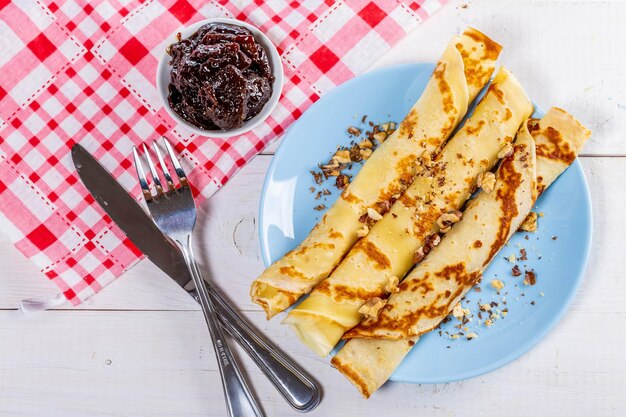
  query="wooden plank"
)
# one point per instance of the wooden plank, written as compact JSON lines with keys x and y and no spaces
{"x":161,"y":364}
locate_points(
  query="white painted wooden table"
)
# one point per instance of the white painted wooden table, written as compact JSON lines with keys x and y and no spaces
{"x":141,"y":347}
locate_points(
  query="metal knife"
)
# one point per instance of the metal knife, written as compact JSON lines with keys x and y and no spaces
{"x":293,"y":383}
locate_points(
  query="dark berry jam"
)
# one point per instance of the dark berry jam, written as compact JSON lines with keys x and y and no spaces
{"x":221,"y":77}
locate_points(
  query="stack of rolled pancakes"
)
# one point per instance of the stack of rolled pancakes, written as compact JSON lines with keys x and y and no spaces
{"x":424,"y":243}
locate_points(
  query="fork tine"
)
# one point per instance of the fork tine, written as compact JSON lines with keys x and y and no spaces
{"x":141,"y":176}
{"x":177,"y":167}
{"x":153,"y":173}
{"x":166,"y":172}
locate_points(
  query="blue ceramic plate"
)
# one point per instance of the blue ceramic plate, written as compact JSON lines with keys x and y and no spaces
{"x":557,"y":252}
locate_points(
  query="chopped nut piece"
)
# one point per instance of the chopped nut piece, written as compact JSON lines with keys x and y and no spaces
{"x":371,"y":307}
{"x":494,"y":316}
{"x":497,"y":284}
{"x":330,"y":169}
{"x":530,"y":223}
{"x":363,"y":231}
{"x":530,"y":278}
{"x":384,"y":127}
{"x":317,"y":177}
{"x":383,"y":206}
{"x":432,"y":240}
{"x":454,"y":336}
{"x":342,"y":181}
{"x":511,"y":258}
{"x":486,"y":181}
{"x":507,"y":150}
{"x":515,"y":271}
{"x":488,"y":322}
{"x":355,"y":154}
{"x":380,"y":136}
{"x":446,"y":220}
{"x":342,"y":156}
{"x":332,"y":164}
{"x":392,"y":284}
{"x":457,"y":311}
{"x":471,"y":336}
{"x":320,"y":207}
{"x":366,"y":153}
{"x":355,"y":131}
{"x":485,"y":307}
{"x":419,"y":255}
{"x":366,"y":144}
{"x":373,"y":214}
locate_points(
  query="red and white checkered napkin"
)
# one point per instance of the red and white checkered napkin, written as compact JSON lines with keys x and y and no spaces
{"x":84,"y":72}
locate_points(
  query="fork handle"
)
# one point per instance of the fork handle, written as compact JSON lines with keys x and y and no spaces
{"x":239,"y":399}
{"x":293,"y":383}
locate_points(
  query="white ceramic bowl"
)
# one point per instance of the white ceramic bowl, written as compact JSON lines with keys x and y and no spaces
{"x":163,"y":78}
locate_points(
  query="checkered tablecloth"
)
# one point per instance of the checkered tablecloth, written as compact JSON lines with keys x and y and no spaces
{"x":84,"y":72}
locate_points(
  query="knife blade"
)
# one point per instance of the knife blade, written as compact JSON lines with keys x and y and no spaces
{"x":293,"y":383}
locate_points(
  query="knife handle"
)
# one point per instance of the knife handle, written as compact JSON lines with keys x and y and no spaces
{"x":293,"y":383}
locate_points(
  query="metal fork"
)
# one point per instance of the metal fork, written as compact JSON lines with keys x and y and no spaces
{"x":173,"y":210}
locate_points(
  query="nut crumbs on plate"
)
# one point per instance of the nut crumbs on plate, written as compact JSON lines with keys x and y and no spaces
{"x":530,"y":278}
{"x":356,"y":152}
{"x":497,"y":284}
{"x":355,"y":131}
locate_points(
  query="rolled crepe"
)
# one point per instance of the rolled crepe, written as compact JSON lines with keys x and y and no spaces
{"x":386,"y":254}
{"x":559,"y":137}
{"x":465,"y":67}
{"x":430,"y":291}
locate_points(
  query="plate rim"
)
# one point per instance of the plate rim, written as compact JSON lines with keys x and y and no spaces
{"x":521,"y":349}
